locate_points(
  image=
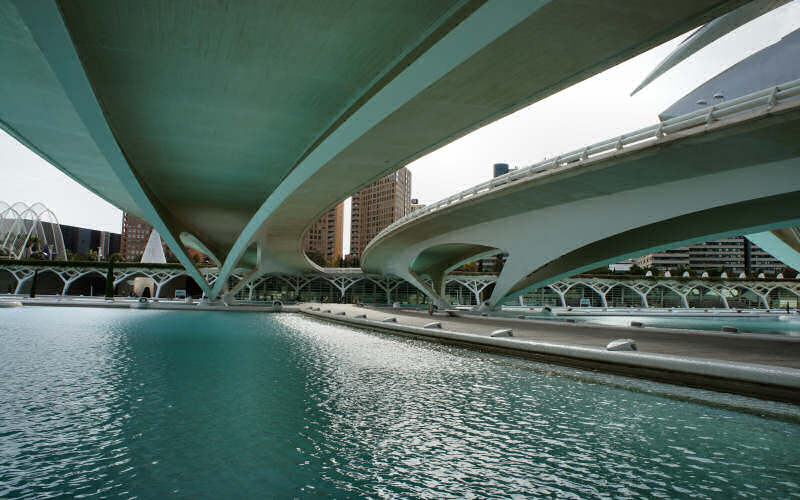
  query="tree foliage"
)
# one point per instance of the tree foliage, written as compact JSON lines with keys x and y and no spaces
{"x":110,"y":277}
{"x":316,"y":257}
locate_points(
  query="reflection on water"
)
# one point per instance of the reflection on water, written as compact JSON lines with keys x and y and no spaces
{"x":150,"y":403}
{"x":745,"y":322}
{"x":751,"y":325}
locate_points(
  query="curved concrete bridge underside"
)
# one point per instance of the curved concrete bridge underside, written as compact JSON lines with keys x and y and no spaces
{"x":783,"y":244}
{"x":232,"y":125}
{"x":737,"y":176}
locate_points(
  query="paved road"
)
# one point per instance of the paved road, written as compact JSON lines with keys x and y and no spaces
{"x":765,"y":349}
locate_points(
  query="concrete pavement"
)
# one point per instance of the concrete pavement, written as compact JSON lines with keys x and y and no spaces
{"x":767,"y":349}
{"x":756,"y":365}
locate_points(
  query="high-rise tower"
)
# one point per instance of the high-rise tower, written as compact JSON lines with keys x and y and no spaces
{"x":378,"y":205}
{"x":135,"y":232}
{"x":325,"y":237}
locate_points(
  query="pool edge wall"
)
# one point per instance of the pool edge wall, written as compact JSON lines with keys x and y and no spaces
{"x":751,"y":380}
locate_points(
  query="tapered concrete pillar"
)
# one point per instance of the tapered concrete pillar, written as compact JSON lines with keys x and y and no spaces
{"x":437,"y":298}
{"x":513,"y":270}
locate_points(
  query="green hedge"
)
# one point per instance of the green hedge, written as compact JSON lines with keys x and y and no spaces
{"x":87,"y":263}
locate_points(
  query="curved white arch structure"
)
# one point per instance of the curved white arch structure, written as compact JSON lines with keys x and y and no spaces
{"x":22,"y":232}
{"x":709,"y":33}
{"x":783,"y":244}
{"x":724,"y":170}
{"x":728,"y":293}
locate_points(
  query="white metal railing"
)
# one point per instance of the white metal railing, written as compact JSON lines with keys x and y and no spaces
{"x":766,"y":98}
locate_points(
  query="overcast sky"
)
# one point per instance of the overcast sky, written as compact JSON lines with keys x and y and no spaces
{"x":596,"y":109}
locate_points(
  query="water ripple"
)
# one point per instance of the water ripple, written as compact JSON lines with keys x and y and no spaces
{"x":97,"y":403}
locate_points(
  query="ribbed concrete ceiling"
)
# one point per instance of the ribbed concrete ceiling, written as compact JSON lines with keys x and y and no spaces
{"x":213,"y":103}
{"x":563,"y":43}
{"x":199,"y":114}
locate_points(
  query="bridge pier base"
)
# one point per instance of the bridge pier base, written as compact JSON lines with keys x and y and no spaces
{"x":437,"y":298}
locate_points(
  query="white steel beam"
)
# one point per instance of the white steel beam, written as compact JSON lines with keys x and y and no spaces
{"x":43,"y":19}
{"x":485,"y":25}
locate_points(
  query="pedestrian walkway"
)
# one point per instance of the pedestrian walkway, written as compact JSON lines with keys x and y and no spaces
{"x":766,"y":349}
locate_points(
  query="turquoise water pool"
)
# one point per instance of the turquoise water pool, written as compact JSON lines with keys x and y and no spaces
{"x":151,"y":404}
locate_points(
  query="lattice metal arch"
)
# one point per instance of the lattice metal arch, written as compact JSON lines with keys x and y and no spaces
{"x":767,"y":293}
{"x":25,"y":230}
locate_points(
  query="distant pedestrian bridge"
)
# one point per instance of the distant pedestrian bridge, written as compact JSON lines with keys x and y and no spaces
{"x":351,"y":285}
{"x":729,"y":169}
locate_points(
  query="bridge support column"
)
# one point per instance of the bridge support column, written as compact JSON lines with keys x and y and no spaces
{"x":644,"y":299}
{"x":342,"y":284}
{"x":21,"y":281}
{"x":439,"y":284}
{"x":415,"y":280}
{"x":561,"y":297}
{"x":228,"y":296}
{"x":475,"y":287}
{"x":389,"y":291}
{"x":387,"y":285}
{"x":69,"y":283}
{"x":63,"y":280}
{"x":513,"y":271}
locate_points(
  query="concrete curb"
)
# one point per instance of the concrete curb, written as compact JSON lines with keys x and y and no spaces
{"x":761,"y":381}
{"x":157,"y":306}
{"x":555,"y":324}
